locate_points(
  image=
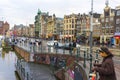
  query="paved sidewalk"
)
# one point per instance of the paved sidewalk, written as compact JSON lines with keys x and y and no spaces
{"x":115,"y":51}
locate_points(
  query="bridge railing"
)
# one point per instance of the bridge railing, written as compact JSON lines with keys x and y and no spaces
{"x":77,"y":52}
{"x":83,"y":52}
{"x":22,"y":71}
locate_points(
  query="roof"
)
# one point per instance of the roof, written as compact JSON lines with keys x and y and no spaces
{"x":6,"y":23}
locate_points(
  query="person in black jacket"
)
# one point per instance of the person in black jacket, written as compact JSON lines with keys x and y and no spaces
{"x":106,"y":68}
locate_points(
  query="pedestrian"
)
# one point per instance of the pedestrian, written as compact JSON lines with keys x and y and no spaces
{"x":106,"y":68}
{"x":70,"y":46}
{"x":74,"y":46}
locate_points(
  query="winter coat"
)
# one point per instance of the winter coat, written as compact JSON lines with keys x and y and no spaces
{"x":106,"y":69}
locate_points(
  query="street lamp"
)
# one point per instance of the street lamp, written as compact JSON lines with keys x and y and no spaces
{"x":91,"y":25}
{"x":91,"y":32}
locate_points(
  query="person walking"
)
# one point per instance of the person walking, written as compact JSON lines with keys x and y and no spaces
{"x":74,"y":46}
{"x":106,"y":68}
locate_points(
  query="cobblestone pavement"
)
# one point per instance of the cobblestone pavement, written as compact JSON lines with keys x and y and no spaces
{"x":117,"y":66}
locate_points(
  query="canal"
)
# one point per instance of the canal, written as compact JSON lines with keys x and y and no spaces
{"x":7,"y":65}
{"x":8,"y":59}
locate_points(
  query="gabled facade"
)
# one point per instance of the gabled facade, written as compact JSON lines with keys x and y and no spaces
{"x":117,"y":26}
{"x":70,"y":26}
{"x":107,"y":24}
{"x":4,"y":27}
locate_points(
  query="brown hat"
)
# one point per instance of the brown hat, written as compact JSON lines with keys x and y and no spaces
{"x":106,"y":50}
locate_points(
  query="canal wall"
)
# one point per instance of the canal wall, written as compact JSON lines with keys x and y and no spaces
{"x":45,"y":58}
{"x":23,"y":53}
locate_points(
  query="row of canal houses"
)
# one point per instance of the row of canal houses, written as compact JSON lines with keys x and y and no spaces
{"x":106,"y":26}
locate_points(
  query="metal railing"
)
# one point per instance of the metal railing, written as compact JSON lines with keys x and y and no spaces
{"x":78,"y":52}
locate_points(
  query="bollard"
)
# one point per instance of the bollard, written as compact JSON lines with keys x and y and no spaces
{"x":84,"y":64}
{"x":90,"y":63}
{"x":87,"y":53}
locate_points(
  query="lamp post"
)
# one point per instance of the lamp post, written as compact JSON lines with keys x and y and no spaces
{"x":91,"y":32}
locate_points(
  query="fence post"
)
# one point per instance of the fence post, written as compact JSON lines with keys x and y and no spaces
{"x":79,"y":51}
{"x":27,"y":76}
{"x":90,"y":63}
{"x":97,"y":54}
{"x":63,"y":50}
{"x":87,"y":53}
{"x":56,"y":50}
{"x":84,"y":64}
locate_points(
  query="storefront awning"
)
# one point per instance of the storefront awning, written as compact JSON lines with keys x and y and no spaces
{"x":117,"y":34}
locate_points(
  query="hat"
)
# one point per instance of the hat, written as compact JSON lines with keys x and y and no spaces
{"x":106,"y":50}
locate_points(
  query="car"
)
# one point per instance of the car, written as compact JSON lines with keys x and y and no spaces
{"x":78,"y":45}
{"x":58,"y":45}
{"x":51,"y":43}
{"x":67,"y":46}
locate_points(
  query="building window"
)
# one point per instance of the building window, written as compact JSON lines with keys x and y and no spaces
{"x":106,"y":19}
{"x":72,"y":32}
{"x":107,"y":31}
{"x":103,"y":31}
{"x":72,"y":26}
{"x":112,"y":31}
{"x":118,"y":13}
{"x":117,"y":29}
{"x":117,"y":21}
{"x":102,"y":20}
{"x":107,"y":25}
{"x":111,"y":19}
{"x":107,"y":13}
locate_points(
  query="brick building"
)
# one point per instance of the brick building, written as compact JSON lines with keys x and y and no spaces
{"x":4,"y":27}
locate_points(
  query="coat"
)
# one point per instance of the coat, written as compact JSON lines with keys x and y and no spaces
{"x":106,"y":69}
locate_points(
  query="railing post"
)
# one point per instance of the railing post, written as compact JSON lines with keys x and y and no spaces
{"x":56,"y":50}
{"x":41,"y":48}
{"x":63,"y":50}
{"x":70,"y":51}
{"x":90,"y":63}
{"x":84,"y":64}
{"x":97,"y":54}
{"x":77,"y":56}
{"x":27,"y":76}
{"x":87,"y":53}
{"x":79,"y":51}
{"x":48,"y":49}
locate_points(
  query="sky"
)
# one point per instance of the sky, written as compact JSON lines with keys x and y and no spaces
{"x":24,"y":11}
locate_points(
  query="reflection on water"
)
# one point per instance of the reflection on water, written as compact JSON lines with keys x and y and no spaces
{"x":7,"y":68}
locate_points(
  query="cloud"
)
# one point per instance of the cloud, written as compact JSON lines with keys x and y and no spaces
{"x":24,"y":11}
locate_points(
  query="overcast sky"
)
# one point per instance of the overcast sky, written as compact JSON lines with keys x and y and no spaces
{"x":24,"y":11}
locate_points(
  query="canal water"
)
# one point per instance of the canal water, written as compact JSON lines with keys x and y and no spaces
{"x":7,"y":65}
